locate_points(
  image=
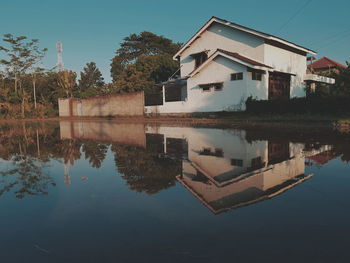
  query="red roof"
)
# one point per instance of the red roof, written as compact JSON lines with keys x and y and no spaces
{"x":325,"y":63}
{"x":245,"y":59}
{"x":322,"y":158}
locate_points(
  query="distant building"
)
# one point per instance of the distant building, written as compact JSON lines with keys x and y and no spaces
{"x":325,"y":65}
{"x":224,"y":63}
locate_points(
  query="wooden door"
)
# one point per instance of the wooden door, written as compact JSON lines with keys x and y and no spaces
{"x":279,"y":86}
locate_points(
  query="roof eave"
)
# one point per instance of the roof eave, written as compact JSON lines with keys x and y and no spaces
{"x":242,"y":28}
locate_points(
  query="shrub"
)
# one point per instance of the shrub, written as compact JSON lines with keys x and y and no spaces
{"x":311,"y":104}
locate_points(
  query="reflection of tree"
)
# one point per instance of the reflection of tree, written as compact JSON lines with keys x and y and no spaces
{"x":95,"y":152}
{"x":343,"y":149}
{"x":69,"y":150}
{"x":26,"y":176}
{"x":145,"y":170}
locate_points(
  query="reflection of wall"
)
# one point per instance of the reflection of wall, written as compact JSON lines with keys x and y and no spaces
{"x":224,"y":171}
{"x":128,"y":134}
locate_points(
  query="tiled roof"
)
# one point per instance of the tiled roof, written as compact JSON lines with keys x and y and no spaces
{"x":243,"y":58}
{"x":325,"y":63}
{"x":233,"y":56}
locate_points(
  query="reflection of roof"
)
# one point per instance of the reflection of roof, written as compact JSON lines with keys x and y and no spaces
{"x":322,"y":158}
{"x":246,"y":197}
{"x":229,"y":177}
{"x":267,"y":37}
{"x":325,"y":63}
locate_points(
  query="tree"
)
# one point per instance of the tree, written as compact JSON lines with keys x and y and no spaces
{"x":157,"y":68}
{"x":23,"y":55}
{"x":150,"y":53}
{"x":342,"y":82}
{"x":91,"y":81}
{"x":67,"y":81}
{"x":131,"y":80}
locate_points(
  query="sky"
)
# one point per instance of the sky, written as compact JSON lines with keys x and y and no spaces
{"x":93,"y":30}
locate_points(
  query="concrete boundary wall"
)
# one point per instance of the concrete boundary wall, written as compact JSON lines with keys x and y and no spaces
{"x":126,"y":104}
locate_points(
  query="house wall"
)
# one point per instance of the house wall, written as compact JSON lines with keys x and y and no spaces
{"x":289,"y":62}
{"x":223,"y":37}
{"x":231,"y":97}
{"x":127,"y":104}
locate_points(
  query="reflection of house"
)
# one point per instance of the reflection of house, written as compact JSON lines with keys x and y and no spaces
{"x":224,"y":63}
{"x":321,"y":158}
{"x":224,"y":171}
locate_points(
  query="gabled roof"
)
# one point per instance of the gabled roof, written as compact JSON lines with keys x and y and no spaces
{"x":235,"y":57}
{"x":242,"y":58}
{"x":325,"y":63}
{"x":244,"y":29}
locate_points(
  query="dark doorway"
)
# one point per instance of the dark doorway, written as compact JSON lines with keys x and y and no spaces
{"x":279,"y":86}
{"x":278,"y":152}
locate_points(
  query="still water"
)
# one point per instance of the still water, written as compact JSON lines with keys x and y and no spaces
{"x":109,"y":192}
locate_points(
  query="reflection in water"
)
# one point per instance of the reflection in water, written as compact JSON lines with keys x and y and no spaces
{"x":224,"y":171}
{"x":153,"y":193}
{"x":220,"y":167}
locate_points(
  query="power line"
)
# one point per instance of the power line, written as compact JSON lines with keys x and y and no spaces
{"x":294,"y":15}
{"x":331,"y":37}
{"x":335,"y":41}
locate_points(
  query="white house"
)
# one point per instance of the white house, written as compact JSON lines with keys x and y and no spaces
{"x":224,"y":63}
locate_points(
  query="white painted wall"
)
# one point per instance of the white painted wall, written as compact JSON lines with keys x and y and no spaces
{"x":223,"y":37}
{"x":290,"y":62}
{"x":231,"y":97}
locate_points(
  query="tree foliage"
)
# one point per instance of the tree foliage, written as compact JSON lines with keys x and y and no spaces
{"x":91,"y":81}
{"x":342,"y":82}
{"x":147,"y":58}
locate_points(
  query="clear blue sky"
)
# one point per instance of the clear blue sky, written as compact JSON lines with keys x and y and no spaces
{"x":92,"y":30}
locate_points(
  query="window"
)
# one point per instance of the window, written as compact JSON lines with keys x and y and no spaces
{"x":256,"y":162}
{"x":219,"y":153}
{"x":256,"y":75}
{"x":218,"y":87}
{"x":237,"y":162}
{"x":207,"y":87}
{"x":237,"y":76}
{"x":199,"y":58}
{"x":208,"y":152}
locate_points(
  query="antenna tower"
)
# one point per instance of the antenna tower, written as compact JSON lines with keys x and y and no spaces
{"x":59,"y":56}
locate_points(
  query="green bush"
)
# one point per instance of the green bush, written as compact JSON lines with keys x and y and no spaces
{"x":311,"y":104}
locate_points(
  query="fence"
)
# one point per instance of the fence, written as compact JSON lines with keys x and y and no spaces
{"x":126,"y":104}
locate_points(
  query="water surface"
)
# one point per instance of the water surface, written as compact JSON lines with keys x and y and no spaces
{"x":109,"y":192}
